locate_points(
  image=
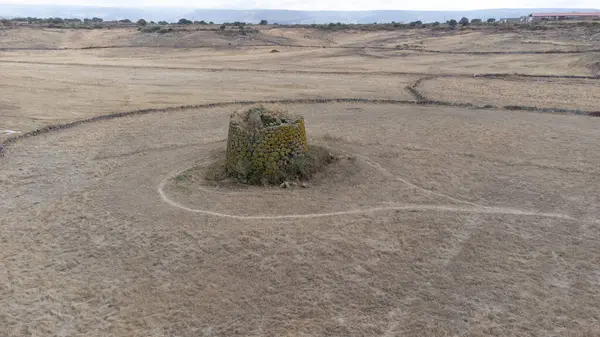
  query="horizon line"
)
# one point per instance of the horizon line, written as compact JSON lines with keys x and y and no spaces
{"x":291,"y":10}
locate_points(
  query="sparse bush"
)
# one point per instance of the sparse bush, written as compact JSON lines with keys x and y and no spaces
{"x":184,"y":22}
{"x":223,"y":27}
{"x":452,"y":23}
{"x":150,"y":29}
{"x":155,"y":29}
{"x":476,"y":21}
{"x":125,"y":21}
{"x":142,"y":22}
{"x":417,"y":23}
{"x":264,"y":22}
{"x":435,"y":24}
{"x":163,"y":23}
{"x":95,"y":19}
{"x":464,"y":21}
{"x":6,"y":22}
{"x":491,"y":20}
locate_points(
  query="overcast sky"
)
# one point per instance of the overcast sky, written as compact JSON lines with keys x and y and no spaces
{"x":328,"y":4}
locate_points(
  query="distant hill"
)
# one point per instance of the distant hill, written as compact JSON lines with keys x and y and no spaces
{"x":309,"y":17}
{"x":254,"y":16}
{"x":106,"y":13}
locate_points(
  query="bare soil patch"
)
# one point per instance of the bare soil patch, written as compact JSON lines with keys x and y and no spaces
{"x":449,"y":221}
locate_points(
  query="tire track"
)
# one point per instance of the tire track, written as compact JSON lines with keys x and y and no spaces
{"x":289,"y":71}
{"x":56,"y":127}
{"x":422,"y":99}
{"x":419,"y":50}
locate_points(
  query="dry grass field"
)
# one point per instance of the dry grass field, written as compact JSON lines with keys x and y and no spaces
{"x":447,"y":219}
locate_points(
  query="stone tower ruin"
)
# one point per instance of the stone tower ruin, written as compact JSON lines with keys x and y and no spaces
{"x":263,"y":143}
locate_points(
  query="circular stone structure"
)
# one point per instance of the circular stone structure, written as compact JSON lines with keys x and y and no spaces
{"x":263,"y":143}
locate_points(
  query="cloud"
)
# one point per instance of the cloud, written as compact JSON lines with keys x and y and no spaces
{"x":327,"y":5}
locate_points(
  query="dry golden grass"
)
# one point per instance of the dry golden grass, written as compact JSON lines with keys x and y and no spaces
{"x":34,"y":95}
{"x":452,"y":221}
{"x":543,"y":93}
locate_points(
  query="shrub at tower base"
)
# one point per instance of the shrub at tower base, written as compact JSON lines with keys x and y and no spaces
{"x":268,"y":146}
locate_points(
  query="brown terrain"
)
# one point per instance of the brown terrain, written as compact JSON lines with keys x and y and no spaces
{"x":468,"y":207}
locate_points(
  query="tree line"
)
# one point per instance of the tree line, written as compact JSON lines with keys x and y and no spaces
{"x":183,"y":21}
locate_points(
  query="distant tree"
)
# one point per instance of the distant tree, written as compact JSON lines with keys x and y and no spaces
{"x":223,"y":27}
{"x":475,"y":21}
{"x":202,"y":22}
{"x":211,"y":23}
{"x":491,"y":20}
{"x":56,"y":21}
{"x":125,"y":21}
{"x":452,"y":23}
{"x":6,"y":22}
{"x":417,"y":23}
{"x":95,"y":19}
{"x":86,"y":20}
{"x":464,"y":21}
{"x":264,"y":22}
{"x":152,"y":22}
{"x":142,"y":22}
{"x":163,"y":23}
{"x":185,"y":22}
{"x":435,"y":24}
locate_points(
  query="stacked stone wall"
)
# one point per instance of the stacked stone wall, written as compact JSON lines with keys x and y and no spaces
{"x":265,"y":151}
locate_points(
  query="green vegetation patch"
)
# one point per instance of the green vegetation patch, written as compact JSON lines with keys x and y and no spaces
{"x":300,"y":168}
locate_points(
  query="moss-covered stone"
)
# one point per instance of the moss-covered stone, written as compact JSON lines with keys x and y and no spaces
{"x":261,"y":153}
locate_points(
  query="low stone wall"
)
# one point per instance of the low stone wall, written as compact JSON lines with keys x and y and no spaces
{"x":266,"y":151}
